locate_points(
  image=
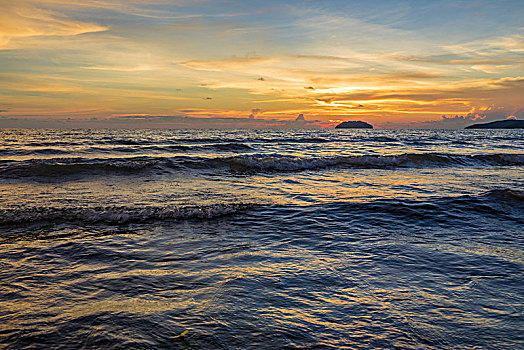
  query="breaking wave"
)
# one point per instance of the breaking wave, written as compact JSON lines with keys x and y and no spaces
{"x":408,"y":160}
{"x":116,"y":215}
{"x":246,"y":164}
{"x":50,"y":168}
{"x":234,"y":147}
{"x":505,"y":204}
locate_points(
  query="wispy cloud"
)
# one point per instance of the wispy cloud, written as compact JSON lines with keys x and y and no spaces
{"x":507,"y":44}
{"x":24,"y":19}
{"x":477,"y":115}
{"x":239,"y":64}
{"x":139,"y":68}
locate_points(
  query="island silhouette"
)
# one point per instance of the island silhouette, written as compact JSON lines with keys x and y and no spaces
{"x":354,"y":125}
{"x":499,"y":124}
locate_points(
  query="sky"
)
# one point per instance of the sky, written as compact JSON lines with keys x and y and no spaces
{"x":253,"y":64}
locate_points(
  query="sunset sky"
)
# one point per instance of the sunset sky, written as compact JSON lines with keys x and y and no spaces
{"x":215,"y":63}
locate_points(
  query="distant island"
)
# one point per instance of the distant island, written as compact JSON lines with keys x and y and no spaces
{"x":354,"y":125}
{"x":500,"y":124}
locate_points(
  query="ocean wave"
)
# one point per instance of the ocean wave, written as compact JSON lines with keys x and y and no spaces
{"x":447,"y":211}
{"x":223,"y":146}
{"x":506,"y":195}
{"x":248,"y":164}
{"x":116,"y":215}
{"x":56,"y":167}
{"x":244,"y":164}
{"x":233,"y":147}
{"x":378,"y":139}
{"x":11,"y":151}
{"x":504,"y":204}
{"x":229,"y":146}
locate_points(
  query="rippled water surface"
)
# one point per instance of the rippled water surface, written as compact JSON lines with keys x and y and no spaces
{"x":226,"y":239}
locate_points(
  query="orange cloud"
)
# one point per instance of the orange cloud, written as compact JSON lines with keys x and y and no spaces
{"x":233,"y":63}
{"x":23,"y":19}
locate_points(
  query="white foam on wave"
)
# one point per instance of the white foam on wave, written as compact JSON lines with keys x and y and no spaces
{"x":371,"y":161}
{"x":58,"y":167}
{"x":117,"y":215}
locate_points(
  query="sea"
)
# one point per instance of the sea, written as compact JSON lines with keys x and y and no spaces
{"x":261,"y":239}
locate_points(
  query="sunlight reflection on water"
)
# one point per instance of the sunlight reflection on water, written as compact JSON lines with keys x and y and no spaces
{"x":273,"y":245}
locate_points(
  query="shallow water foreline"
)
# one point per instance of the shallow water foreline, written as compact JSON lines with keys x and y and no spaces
{"x":322,"y":276}
{"x":261,"y":239}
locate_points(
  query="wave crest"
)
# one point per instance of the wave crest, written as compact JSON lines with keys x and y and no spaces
{"x":506,"y":195}
{"x":244,"y":164}
{"x":408,"y":160}
{"x":116,"y":215}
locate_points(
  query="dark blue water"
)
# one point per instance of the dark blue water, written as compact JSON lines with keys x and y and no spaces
{"x":232,"y":239}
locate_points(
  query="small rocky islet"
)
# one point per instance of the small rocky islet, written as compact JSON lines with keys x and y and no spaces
{"x":354,"y":125}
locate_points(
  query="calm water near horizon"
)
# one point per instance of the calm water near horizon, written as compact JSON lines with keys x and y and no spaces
{"x":248,"y":239}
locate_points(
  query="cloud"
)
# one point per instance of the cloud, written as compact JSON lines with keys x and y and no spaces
{"x":127,"y":7}
{"x":449,"y":58}
{"x":506,"y":44}
{"x":215,"y":122}
{"x":490,"y":56}
{"x":154,"y":118}
{"x":299,"y":57}
{"x":189,"y":118}
{"x":138,"y":68}
{"x":492,"y":113}
{"x":491,"y":69}
{"x":24,"y":19}
{"x":466,"y":92}
{"x":477,"y":115}
{"x":301,"y":122}
{"x":290,"y":75}
{"x":274,"y":66}
{"x":228,"y":64}
{"x":254,"y":113}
